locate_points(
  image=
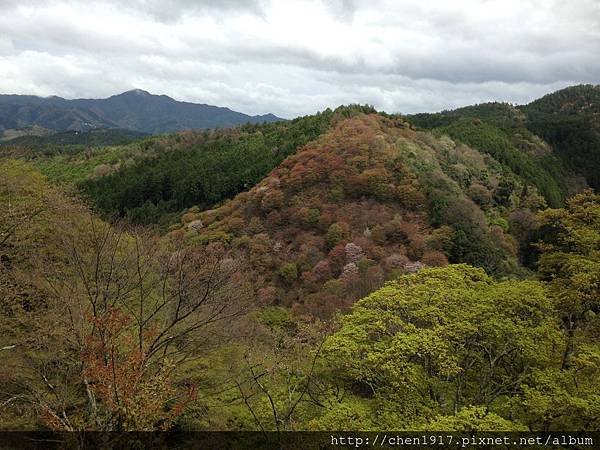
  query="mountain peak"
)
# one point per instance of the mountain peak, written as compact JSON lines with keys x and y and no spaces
{"x":136,"y":91}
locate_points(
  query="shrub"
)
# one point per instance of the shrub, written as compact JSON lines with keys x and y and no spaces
{"x":378,"y":234}
{"x":322,"y":269}
{"x":480,"y":195}
{"x":499,"y":222}
{"x":102,"y":170}
{"x":440,"y":239}
{"x":349,"y":272}
{"x":410,"y":196}
{"x":306,"y":217}
{"x":401,"y":232}
{"x":267,"y":295}
{"x":375,"y":182}
{"x":189,"y":217}
{"x":289,"y":272}
{"x":353,"y":252}
{"x":272,"y":199}
{"x":255,"y":226}
{"x":395,"y":261}
{"x":336,"y":232}
{"x":241,"y":242}
{"x":335,"y":287}
{"x":365,"y":264}
{"x":337,"y":257}
{"x":416,"y":247}
{"x":234,"y":224}
{"x":212,"y":236}
{"x":276,"y":318}
{"x":336,"y":193}
{"x":434,"y":258}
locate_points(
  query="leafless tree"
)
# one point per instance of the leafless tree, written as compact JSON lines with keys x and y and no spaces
{"x":127,"y":305}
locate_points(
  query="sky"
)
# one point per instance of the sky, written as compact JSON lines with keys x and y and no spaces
{"x":293,"y":58}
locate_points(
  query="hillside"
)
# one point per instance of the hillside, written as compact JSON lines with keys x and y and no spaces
{"x":367,"y":200}
{"x":500,"y":130}
{"x":164,"y":175}
{"x":150,"y":181}
{"x":121,"y":178}
{"x":551,"y":142}
{"x":68,"y":281}
{"x":325,"y":296}
{"x":569,"y":120}
{"x":135,"y":110}
{"x":66,"y":143}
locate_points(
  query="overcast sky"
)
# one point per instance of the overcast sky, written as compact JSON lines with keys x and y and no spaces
{"x":297,"y":57}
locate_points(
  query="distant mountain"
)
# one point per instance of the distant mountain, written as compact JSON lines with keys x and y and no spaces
{"x":135,"y":110}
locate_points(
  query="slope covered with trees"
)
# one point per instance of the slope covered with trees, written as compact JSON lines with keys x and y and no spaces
{"x":339,"y":271}
{"x":199,"y":168}
{"x":499,"y":130}
{"x":67,"y":142}
{"x":97,"y":321}
{"x":368,"y":200}
{"x":452,"y":349}
{"x":548,"y":142}
{"x":569,"y":120}
{"x":107,"y":329}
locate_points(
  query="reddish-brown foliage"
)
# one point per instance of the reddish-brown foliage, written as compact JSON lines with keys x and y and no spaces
{"x":343,"y":206}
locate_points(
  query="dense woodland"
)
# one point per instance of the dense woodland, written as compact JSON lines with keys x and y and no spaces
{"x":346,"y":270}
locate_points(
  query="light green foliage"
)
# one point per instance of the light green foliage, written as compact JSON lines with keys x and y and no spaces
{"x":571,"y":252}
{"x":335,"y":234}
{"x":500,"y":222}
{"x":72,"y":169}
{"x":474,"y":418}
{"x":543,"y":171}
{"x":570,"y":260}
{"x":212,"y":236}
{"x":500,"y":130}
{"x":351,"y":414}
{"x":565,"y":399}
{"x":451,"y":175}
{"x":568,"y":398}
{"x":276,"y":318}
{"x":434,"y":341}
{"x":289,"y":272}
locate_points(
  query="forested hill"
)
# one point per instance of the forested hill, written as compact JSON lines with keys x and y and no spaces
{"x":135,"y":110}
{"x":57,"y":142}
{"x":366,"y":200}
{"x":547,"y":141}
{"x":150,"y":181}
{"x":569,"y":120}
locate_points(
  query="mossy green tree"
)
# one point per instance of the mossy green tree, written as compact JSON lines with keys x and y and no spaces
{"x":432,"y":343}
{"x":570,"y":260}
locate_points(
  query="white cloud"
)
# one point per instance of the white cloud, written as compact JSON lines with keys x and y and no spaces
{"x":296,"y":57}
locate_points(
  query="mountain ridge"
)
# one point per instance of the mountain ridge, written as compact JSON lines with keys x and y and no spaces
{"x":135,"y":110}
{"x":554,"y":137}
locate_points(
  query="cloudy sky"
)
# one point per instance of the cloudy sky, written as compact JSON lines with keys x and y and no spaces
{"x":296,"y":57}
